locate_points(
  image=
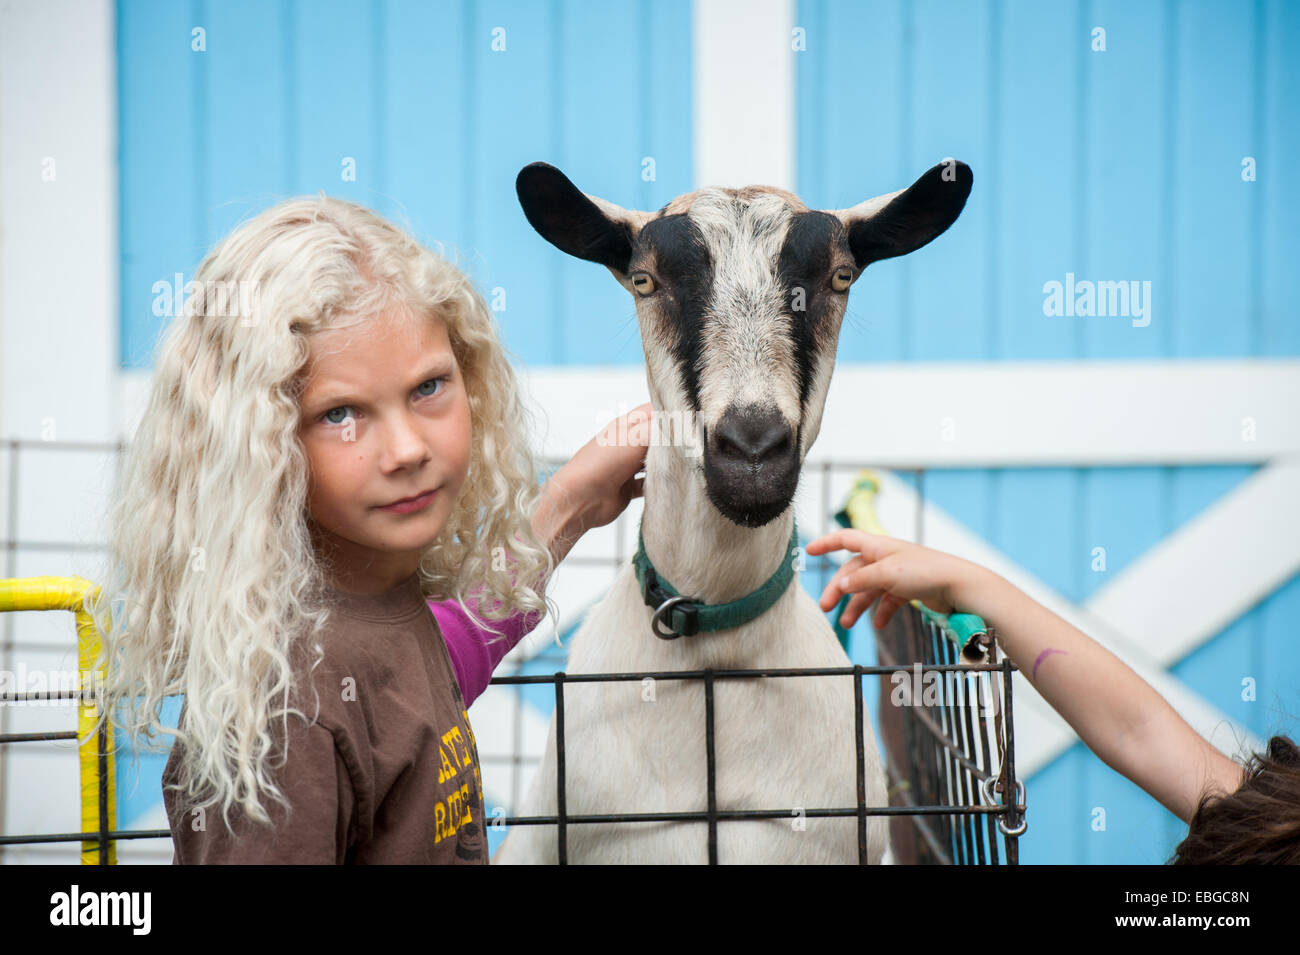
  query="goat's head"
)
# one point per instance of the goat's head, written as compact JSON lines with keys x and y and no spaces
{"x":739,"y":295}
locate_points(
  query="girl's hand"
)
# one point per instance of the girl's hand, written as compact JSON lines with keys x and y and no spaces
{"x":893,"y":570}
{"x":604,"y":471}
{"x":596,"y":485}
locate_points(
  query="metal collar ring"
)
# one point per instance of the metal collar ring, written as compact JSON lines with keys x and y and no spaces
{"x":664,"y":607}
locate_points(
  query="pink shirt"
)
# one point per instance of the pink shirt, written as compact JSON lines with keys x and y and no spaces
{"x":473,"y":658}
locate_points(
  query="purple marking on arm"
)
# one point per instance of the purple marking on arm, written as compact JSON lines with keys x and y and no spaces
{"x":1043,"y":656}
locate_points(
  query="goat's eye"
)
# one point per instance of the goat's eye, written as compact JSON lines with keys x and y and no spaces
{"x":643,"y":283}
{"x":842,"y":279}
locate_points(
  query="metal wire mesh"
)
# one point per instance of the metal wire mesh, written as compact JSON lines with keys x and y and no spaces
{"x":943,"y":751}
{"x":950,"y":748}
{"x":940,"y":765}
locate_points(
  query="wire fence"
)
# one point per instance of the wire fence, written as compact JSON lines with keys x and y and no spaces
{"x":946,"y":726}
{"x":950,"y":748}
{"x":949,"y":778}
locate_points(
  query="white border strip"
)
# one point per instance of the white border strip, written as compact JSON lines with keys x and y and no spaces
{"x":744,"y":93}
{"x":59,"y":328}
{"x":58,"y":221}
{"x":995,"y":415}
{"x":1012,"y":414}
{"x":1062,"y":414}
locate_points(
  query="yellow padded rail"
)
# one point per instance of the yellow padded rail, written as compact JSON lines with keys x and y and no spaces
{"x":71,"y":593}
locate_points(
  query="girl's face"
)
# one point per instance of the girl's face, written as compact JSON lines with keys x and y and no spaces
{"x":385,"y":418}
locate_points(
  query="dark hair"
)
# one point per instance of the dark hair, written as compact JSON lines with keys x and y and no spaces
{"x":1259,"y":824}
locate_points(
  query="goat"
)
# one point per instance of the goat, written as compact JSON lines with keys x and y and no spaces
{"x":739,"y":296}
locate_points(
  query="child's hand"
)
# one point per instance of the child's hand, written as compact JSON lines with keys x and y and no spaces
{"x":596,"y":485}
{"x":605,"y":469}
{"x":896,"y":571}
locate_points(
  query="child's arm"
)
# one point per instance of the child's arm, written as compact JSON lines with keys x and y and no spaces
{"x":589,"y":491}
{"x":474,"y":651}
{"x":1115,"y":712}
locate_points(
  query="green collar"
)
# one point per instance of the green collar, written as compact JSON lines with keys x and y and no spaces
{"x":686,"y":617}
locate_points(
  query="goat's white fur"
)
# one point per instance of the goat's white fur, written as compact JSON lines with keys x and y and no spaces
{"x":780,"y":743}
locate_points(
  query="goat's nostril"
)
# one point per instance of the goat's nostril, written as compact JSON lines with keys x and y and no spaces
{"x":773,"y":441}
{"x":751,"y":438}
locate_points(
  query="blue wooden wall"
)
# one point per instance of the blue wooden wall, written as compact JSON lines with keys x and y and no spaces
{"x":1123,"y":164}
{"x":1116,"y":165}
{"x":437,"y":121}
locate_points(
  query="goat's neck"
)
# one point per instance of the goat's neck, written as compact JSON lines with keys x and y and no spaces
{"x":697,"y":550}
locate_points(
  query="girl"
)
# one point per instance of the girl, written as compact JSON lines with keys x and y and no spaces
{"x":309,"y":472}
{"x":1234,"y":815}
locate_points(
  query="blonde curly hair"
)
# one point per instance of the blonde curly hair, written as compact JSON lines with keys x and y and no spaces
{"x":213,"y":581}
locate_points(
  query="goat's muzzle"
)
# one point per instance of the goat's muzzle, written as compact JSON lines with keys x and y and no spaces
{"x":751,"y":465}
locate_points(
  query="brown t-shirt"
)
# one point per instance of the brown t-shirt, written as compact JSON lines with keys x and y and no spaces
{"x":388,"y":773}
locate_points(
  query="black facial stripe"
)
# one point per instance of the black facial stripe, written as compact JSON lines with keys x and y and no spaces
{"x":805,"y":263}
{"x":685,"y":269}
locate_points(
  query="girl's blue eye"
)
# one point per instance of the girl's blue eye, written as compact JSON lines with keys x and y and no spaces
{"x":431,"y":381}
{"x":327,"y":415}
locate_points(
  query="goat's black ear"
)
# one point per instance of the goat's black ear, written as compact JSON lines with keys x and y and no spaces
{"x":568,"y":219}
{"x":904,"y":221}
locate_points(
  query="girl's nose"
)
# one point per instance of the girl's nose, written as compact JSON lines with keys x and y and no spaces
{"x":405,"y":445}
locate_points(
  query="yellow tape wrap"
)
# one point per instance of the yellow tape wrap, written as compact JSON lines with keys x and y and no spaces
{"x":71,"y":593}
